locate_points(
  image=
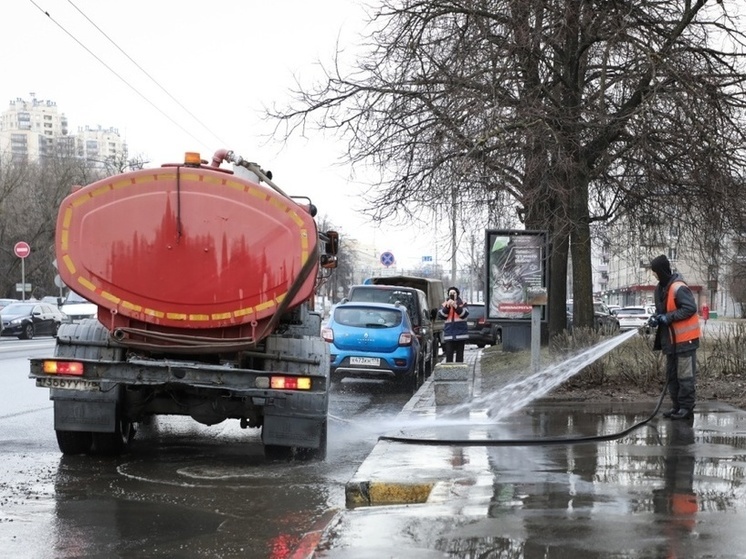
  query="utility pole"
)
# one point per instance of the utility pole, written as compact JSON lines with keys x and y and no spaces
{"x":472,"y":295}
{"x":453,"y":236}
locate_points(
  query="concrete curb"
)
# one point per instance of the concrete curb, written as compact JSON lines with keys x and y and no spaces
{"x":396,"y":473}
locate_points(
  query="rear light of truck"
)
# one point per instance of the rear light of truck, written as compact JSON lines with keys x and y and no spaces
{"x":73,"y":368}
{"x":290,"y":383}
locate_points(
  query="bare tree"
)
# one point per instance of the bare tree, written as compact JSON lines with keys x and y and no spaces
{"x":578,"y":111}
{"x":33,"y":195}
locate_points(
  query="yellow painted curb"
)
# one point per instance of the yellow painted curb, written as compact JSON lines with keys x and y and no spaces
{"x":378,"y":493}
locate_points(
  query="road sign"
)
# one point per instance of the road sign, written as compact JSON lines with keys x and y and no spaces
{"x":22,"y":249}
{"x":20,"y":287}
{"x":387,"y":259}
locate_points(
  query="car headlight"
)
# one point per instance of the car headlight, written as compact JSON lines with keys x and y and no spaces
{"x":16,"y":321}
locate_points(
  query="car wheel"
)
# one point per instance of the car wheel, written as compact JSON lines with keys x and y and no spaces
{"x":481,"y":346}
{"x":27,"y":332}
{"x":409,"y":381}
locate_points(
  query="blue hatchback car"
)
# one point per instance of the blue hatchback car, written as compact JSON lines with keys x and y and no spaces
{"x":374,"y":340}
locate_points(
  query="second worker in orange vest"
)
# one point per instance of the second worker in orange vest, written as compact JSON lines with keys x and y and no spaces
{"x":677,"y":336}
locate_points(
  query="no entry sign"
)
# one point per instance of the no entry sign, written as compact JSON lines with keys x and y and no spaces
{"x":22,"y":249}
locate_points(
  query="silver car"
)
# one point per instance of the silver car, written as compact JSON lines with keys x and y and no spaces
{"x":633,"y":317}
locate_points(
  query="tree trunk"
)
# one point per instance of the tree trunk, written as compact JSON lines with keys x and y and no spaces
{"x":580,"y":247}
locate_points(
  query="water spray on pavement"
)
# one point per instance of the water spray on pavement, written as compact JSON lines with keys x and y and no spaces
{"x":516,"y":395}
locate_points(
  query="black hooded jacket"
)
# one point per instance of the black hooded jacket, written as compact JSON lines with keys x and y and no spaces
{"x":686,"y":306}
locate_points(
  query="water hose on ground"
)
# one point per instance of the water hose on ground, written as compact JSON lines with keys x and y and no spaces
{"x":527,"y":442}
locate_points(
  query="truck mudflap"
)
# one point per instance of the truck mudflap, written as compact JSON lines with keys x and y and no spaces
{"x":85,"y":411}
{"x":292,"y":431}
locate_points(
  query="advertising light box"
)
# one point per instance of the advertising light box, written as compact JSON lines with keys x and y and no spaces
{"x":516,"y":273}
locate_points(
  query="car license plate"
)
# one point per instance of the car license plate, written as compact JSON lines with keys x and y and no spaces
{"x":67,"y":384}
{"x":367,"y":361}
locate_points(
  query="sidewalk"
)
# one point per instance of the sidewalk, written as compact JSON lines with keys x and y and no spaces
{"x":671,"y":488}
{"x":396,"y":473}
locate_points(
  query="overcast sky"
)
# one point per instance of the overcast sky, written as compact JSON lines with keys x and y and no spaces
{"x":222,"y":61}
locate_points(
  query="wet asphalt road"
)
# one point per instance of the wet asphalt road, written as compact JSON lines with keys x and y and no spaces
{"x":184,"y":490}
{"x":669,"y":489}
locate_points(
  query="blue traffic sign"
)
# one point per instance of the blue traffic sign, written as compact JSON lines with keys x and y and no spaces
{"x":387,"y":259}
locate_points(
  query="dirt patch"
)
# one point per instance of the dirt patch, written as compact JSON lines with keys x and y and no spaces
{"x":601,"y":384}
{"x":726,"y":391}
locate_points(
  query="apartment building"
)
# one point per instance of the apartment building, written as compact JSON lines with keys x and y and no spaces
{"x":621,"y":274}
{"x":33,"y":129}
{"x":99,"y":144}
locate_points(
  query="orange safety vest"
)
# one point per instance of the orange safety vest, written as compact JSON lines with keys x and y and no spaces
{"x":683,"y":330}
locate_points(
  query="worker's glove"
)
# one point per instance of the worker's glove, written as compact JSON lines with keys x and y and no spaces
{"x":657,"y":320}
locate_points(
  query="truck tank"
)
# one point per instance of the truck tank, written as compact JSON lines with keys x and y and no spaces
{"x":204,"y":279}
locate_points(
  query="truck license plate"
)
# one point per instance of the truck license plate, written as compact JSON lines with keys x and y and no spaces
{"x":367,"y":361}
{"x":67,"y":384}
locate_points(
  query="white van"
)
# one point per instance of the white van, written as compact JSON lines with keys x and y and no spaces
{"x":77,"y":308}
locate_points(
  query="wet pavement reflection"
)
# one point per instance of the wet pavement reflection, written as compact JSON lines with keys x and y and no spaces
{"x":668,"y":489}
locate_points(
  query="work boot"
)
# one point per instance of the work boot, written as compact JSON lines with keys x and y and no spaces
{"x":669,"y":413}
{"x":682,"y":414}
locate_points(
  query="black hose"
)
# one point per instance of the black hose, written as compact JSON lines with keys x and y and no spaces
{"x":526,"y":442}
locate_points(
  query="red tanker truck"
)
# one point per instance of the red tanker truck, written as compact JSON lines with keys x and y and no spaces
{"x":204,"y":278}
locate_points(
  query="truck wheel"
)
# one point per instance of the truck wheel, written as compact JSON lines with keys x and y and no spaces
{"x":27,"y":332}
{"x":286,"y":453}
{"x":314,"y":453}
{"x":74,"y":442}
{"x":81,"y":340}
{"x":277,"y":452}
{"x":112,"y":444}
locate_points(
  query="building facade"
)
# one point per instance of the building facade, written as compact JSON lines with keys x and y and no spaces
{"x":622,"y":276}
{"x":32,"y":130}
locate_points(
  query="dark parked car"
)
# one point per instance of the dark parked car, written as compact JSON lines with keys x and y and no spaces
{"x":604,"y":321}
{"x":26,"y":320}
{"x":481,"y":332}
{"x":374,"y":340}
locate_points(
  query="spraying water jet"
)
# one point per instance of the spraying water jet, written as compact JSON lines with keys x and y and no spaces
{"x":517,"y":395}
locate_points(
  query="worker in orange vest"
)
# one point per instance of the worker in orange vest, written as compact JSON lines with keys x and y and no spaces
{"x":677,"y":336}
